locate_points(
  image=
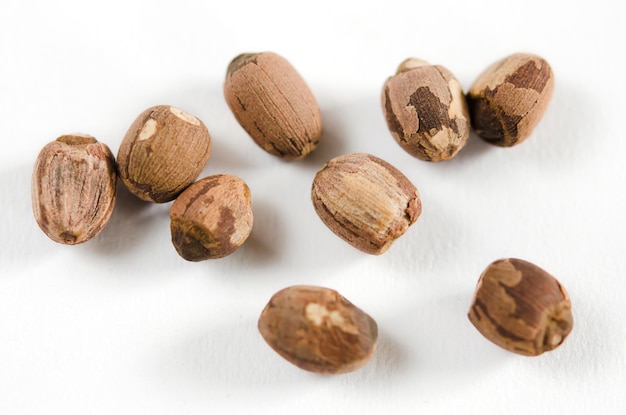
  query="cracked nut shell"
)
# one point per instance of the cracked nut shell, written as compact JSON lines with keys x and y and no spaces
{"x":318,"y":330}
{"x":521,"y":308}
{"x":272,"y":102}
{"x":73,"y":188}
{"x":163,"y":152}
{"x":509,"y":98}
{"x":426,"y":111}
{"x":211,"y":218}
{"x":365,"y":201}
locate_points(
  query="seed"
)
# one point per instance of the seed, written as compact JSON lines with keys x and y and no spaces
{"x":365,"y":201}
{"x":272,"y":102}
{"x":509,"y":98}
{"x":426,"y":111}
{"x":163,"y":152}
{"x":318,"y":330}
{"x":211,"y":218}
{"x":73,"y":188}
{"x":521,"y":308}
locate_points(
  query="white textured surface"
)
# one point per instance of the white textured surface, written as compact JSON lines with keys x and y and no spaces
{"x":123,"y":325}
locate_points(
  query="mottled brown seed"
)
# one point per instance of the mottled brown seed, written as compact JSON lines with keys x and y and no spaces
{"x":163,"y":152}
{"x":521,"y":308}
{"x":272,"y":102}
{"x":318,"y":330}
{"x":509,"y":98}
{"x":426,"y":111}
{"x":365,"y":201}
{"x":211,"y":218}
{"x":73,"y":188}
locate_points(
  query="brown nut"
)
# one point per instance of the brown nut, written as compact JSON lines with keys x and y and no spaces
{"x":211,"y":218}
{"x":271,"y":101}
{"x":521,"y":308}
{"x":163,"y":152}
{"x":509,"y":98}
{"x":365,"y":201}
{"x":426,"y":111}
{"x":73,"y":188}
{"x":318,"y":330}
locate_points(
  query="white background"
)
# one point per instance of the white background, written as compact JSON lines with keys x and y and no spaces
{"x":123,"y":325}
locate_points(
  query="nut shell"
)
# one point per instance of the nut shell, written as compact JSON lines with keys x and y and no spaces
{"x":426,"y":111}
{"x":318,"y":330}
{"x":163,"y":152}
{"x":509,"y":98}
{"x":211,"y":218}
{"x":521,"y":308}
{"x":365,"y":201}
{"x":73,"y":188}
{"x":272,"y":102}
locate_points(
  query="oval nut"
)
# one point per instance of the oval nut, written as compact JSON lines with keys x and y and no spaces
{"x":272,"y":102}
{"x":318,"y":330}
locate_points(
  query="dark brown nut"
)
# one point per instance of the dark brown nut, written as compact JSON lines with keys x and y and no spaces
{"x":426,"y":111}
{"x":521,"y":308}
{"x":318,"y":330}
{"x":365,"y":201}
{"x":271,"y":101}
{"x":73,"y":188}
{"x":163,"y":152}
{"x":509,"y":98}
{"x":211,"y":218}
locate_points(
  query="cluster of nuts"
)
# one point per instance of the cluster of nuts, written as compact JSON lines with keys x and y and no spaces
{"x":362,"y":199}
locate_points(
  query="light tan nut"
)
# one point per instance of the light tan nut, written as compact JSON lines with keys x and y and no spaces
{"x":272,"y":102}
{"x":426,"y":111}
{"x":211,"y":218}
{"x":521,"y":308}
{"x":509,"y":98}
{"x":73,"y":188}
{"x":365,"y":201}
{"x":163,"y":152}
{"x":318,"y":330}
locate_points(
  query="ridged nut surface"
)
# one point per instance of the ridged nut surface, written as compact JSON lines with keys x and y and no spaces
{"x":73,"y":188}
{"x":163,"y":152}
{"x":365,"y":201}
{"x":273,"y":103}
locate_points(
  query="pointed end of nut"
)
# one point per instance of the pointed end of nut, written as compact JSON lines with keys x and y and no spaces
{"x":240,"y":61}
{"x":411,"y":63}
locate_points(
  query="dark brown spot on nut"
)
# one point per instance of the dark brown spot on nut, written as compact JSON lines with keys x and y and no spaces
{"x":521,"y":308}
{"x":509,"y":98}
{"x":425,"y":110}
{"x":211,"y":218}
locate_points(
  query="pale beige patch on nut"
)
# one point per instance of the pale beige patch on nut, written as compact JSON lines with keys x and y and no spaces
{"x":515,"y":101}
{"x":411,"y":63}
{"x":148,"y":130}
{"x":319,"y":314}
{"x":185,"y":116}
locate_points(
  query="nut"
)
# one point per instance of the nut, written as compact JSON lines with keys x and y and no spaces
{"x":521,"y":308}
{"x":73,"y":188}
{"x":318,"y":330}
{"x":273,"y":104}
{"x":211,"y":218}
{"x":509,"y":98}
{"x":365,"y":201}
{"x":163,"y":152}
{"x":426,"y":111}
